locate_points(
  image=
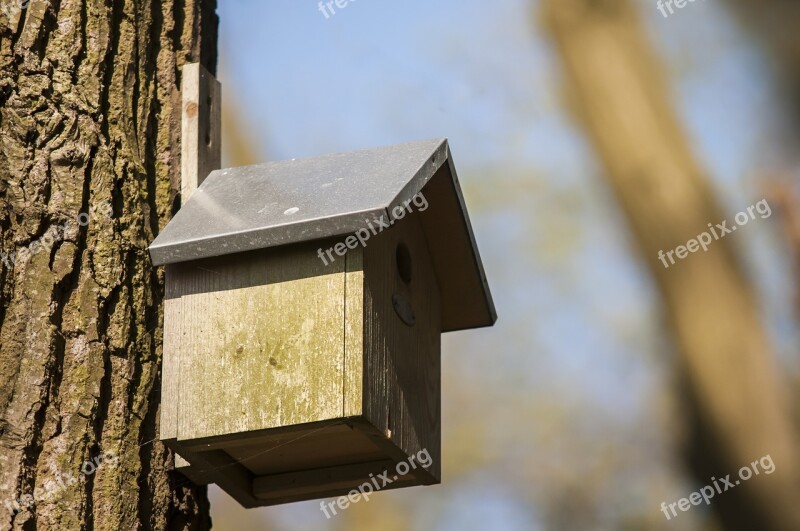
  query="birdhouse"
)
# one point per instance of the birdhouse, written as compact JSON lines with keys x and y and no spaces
{"x":305,"y":302}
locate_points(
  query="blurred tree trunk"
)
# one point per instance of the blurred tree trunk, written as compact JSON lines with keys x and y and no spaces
{"x":741,"y":408}
{"x":90,"y":116}
{"x":775,"y":23}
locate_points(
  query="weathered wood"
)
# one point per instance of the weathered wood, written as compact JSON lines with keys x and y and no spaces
{"x":261,"y":341}
{"x":201,"y":137}
{"x":402,"y":364}
{"x":300,"y":372}
{"x":313,"y":446}
{"x":445,"y":212}
{"x":201,"y":153}
{"x":229,"y":475}
{"x":354,"y":334}
{"x":307,"y":482}
{"x":301,"y":463}
{"x":170,"y":367}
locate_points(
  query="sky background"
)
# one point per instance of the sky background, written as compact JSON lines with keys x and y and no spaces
{"x":567,"y":401}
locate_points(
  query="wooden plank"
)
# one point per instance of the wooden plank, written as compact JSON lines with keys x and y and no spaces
{"x":170,"y":366}
{"x":323,"y":492}
{"x":310,"y":482}
{"x":198,"y":475}
{"x":335,"y":445}
{"x":229,"y":475}
{"x":201,"y":127}
{"x":262,"y":341}
{"x":274,"y":489}
{"x":354,"y":334}
{"x":201,"y":153}
{"x":313,"y":461}
{"x":403,"y":363}
{"x":460,"y":294}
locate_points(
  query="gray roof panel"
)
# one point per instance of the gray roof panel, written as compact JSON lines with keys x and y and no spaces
{"x":278,"y":203}
{"x":266,"y":205}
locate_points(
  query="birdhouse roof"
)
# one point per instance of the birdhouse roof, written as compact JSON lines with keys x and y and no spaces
{"x":279,"y":203}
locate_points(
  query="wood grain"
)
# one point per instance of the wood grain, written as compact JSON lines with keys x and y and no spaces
{"x":403,"y":364}
{"x":201,"y":153}
{"x":354,"y":334}
{"x":201,"y":127}
{"x":303,"y":375}
{"x":261,"y":340}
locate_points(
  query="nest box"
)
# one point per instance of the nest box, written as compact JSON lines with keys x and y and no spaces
{"x":305,"y":302}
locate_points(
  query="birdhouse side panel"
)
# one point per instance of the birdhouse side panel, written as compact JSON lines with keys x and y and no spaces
{"x":402,"y":336}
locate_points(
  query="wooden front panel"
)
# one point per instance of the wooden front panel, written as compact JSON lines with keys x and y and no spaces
{"x":258,"y":340}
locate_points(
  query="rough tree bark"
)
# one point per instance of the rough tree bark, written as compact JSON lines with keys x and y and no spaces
{"x":89,"y":172}
{"x":740,"y":404}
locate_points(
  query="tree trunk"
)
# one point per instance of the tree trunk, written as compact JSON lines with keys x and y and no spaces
{"x":90,"y":116}
{"x":775,"y":23}
{"x":739,"y":403}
